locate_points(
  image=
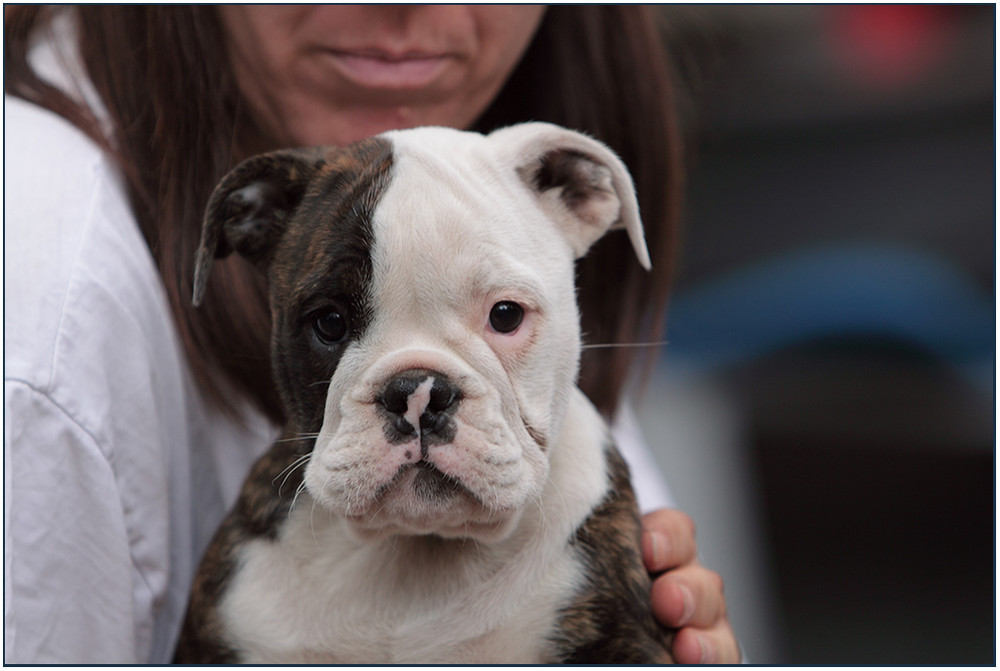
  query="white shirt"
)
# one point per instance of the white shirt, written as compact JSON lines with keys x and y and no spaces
{"x":115,"y":472}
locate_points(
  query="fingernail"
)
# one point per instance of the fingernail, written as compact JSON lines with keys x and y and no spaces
{"x":688,"y":606}
{"x":654,"y":545}
{"x":707,"y":651}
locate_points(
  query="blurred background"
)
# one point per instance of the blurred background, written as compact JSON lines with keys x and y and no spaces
{"x":824,"y":407}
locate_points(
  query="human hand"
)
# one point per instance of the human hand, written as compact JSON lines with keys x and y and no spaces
{"x":686,"y":595}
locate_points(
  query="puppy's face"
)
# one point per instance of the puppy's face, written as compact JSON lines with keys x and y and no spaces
{"x":425,"y":325}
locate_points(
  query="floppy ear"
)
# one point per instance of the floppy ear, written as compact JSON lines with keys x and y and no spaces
{"x":579,"y":182}
{"x":248,"y":210}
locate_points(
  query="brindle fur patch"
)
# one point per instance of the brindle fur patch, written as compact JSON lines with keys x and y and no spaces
{"x":202,"y":640}
{"x":265,"y":500}
{"x":610,"y":621}
{"x":320,"y":257}
{"x":322,"y":261}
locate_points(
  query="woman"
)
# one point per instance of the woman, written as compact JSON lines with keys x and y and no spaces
{"x":132,"y":416}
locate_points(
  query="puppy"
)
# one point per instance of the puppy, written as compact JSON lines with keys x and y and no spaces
{"x":443,"y":492}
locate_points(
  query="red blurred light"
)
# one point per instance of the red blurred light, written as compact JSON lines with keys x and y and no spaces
{"x":890,"y":44}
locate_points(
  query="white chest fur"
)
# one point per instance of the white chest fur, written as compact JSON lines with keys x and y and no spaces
{"x":319,"y":595}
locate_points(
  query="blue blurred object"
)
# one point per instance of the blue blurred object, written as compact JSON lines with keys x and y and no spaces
{"x":847,"y":290}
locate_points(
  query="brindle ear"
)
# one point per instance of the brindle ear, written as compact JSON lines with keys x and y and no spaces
{"x":580,"y":182}
{"x":250,"y":207}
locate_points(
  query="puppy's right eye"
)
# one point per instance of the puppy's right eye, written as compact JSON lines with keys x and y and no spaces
{"x":506,"y":316}
{"x":330,"y":326}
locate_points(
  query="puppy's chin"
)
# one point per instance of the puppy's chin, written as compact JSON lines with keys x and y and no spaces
{"x":424,"y":502}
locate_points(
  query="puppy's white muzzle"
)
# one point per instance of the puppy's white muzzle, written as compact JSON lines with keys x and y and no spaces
{"x":421,"y":444}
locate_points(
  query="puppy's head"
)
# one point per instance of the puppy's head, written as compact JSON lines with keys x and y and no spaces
{"x":424,"y":316}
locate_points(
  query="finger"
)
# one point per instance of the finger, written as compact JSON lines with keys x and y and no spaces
{"x":716,"y":645}
{"x":689,"y":596}
{"x":667,"y":540}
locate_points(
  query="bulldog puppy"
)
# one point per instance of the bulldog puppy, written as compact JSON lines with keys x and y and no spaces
{"x":443,"y":492}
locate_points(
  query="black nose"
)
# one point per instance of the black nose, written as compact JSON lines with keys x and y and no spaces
{"x":435,"y":410}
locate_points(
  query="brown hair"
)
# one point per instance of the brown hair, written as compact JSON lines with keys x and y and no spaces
{"x":163,"y":74}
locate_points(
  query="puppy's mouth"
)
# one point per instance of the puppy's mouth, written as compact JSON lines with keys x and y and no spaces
{"x":421,"y":499}
{"x":427,"y":482}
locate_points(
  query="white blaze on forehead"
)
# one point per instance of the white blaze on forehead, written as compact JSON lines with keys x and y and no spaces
{"x":456,"y":221}
{"x":417,"y":402}
{"x":456,"y":230}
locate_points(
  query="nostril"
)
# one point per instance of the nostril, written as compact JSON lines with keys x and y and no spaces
{"x":394,"y":403}
{"x":434,"y":422}
{"x":403,"y":427}
{"x":443,"y":396}
{"x":396,"y":396}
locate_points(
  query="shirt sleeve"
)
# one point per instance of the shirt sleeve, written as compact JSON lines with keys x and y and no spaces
{"x":650,"y":486}
{"x":68,"y":577}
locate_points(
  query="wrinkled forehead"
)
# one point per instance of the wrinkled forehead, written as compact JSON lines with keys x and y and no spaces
{"x":456,"y":212}
{"x":414,"y":214}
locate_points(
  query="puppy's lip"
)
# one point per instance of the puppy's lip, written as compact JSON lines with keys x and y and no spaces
{"x":494,"y":528}
{"x":443,"y":506}
{"x":429,"y":482}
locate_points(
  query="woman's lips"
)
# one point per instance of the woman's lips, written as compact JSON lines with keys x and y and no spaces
{"x":372,"y":68}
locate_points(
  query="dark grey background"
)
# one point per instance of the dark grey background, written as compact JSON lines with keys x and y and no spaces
{"x":825,"y":405}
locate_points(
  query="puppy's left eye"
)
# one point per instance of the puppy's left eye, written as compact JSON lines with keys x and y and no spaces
{"x":506,"y":316}
{"x":330,"y":326}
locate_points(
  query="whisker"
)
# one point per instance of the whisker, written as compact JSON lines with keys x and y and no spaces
{"x":298,"y":490}
{"x":289,"y":470}
{"x":304,"y":436}
{"x":612,"y":345}
{"x":312,"y":523}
